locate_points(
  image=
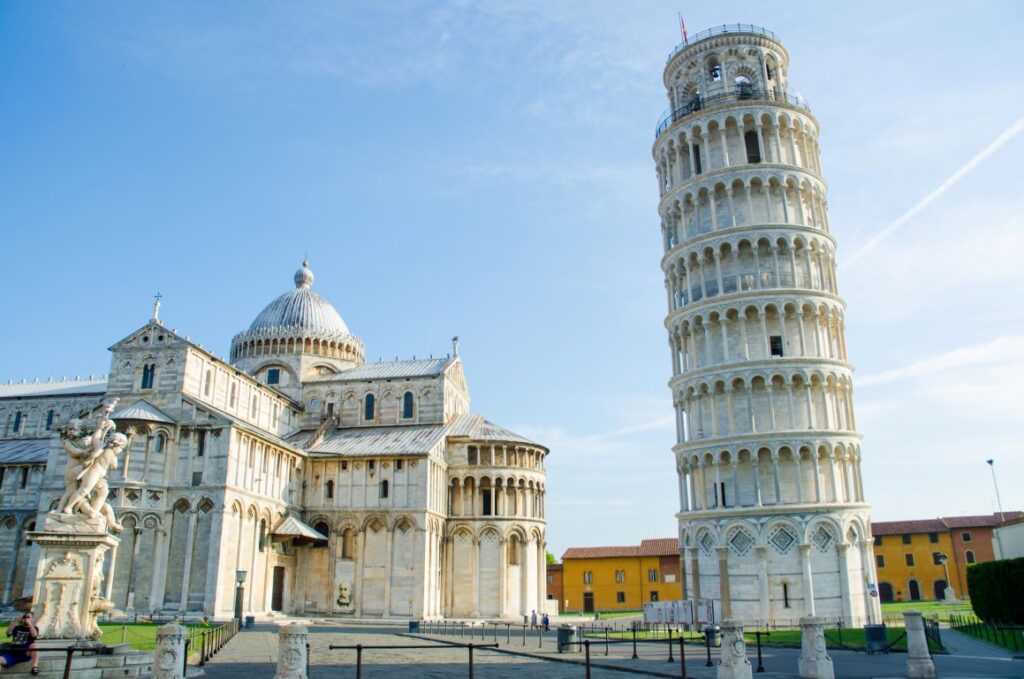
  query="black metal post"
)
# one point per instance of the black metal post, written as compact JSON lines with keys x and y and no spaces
{"x":67,"y":663}
{"x":586,"y":648}
{"x":471,"y":660}
{"x":635,"y":656}
{"x":495,"y":632}
{"x":682,"y":658}
{"x":184,"y":661}
{"x":508,"y":633}
{"x":540,"y":637}
{"x":307,"y":660}
{"x":757,"y":635}
{"x":707,"y":643}
{"x":202,"y":649}
{"x":606,"y":641}
{"x":359,"y":661}
{"x":671,"y":658}
{"x":524,"y":635}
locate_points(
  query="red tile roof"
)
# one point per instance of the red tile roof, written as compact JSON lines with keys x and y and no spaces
{"x":940,"y":525}
{"x":653,"y":547}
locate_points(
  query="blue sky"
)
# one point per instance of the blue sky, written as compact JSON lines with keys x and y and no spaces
{"x":483,"y":169}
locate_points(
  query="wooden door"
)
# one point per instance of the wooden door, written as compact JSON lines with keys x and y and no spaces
{"x":277,"y":594}
{"x":588,"y":602}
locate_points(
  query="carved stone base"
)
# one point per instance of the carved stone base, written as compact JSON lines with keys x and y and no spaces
{"x":291,"y":652}
{"x":919,"y":658}
{"x":69,"y":576}
{"x":815,"y":662}
{"x":733,"y":663}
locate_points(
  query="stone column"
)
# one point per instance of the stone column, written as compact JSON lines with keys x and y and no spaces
{"x":815,"y":662}
{"x":156,"y":585}
{"x":503,"y":576}
{"x":694,"y":572}
{"x":723,"y":583}
{"x":291,"y":651}
{"x":187,"y":570}
{"x":808,"y":582}
{"x":845,"y":595}
{"x":919,"y":659}
{"x":682,"y":571}
{"x":762,"y":583}
{"x":169,"y":658}
{"x":733,"y":663}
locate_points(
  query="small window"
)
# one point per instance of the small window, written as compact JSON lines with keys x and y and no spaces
{"x":966,"y":537}
{"x":197,"y":478}
{"x":200,"y":443}
{"x":620,"y":577}
{"x":371,"y":465}
{"x":588,"y":577}
{"x":254,"y":410}
{"x":368,"y":407}
{"x":715,"y":72}
{"x":1,"y":477}
{"x":148,"y":371}
{"x":696,"y":158}
{"x":347,"y":544}
{"x":24,"y":477}
{"x":233,"y":395}
{"x":383,"y":489}
{"x":17,"y":421}
{"x":937,"y":558}
{"x":399,"y":465}
{"x":909,"y":558}
{"x":485,"y":496}
{"x":878,"y":541}
{"x":969,"y":556}
{"x":933,"y":538}
{"x":652,"y":575}
{"x":880,"y":560}
{"x":161,"y":441}
{"x":785,"y":595}
{"x":906,"y":538}
{"x":752,"y":147}
{"x":407,"y":405}
{"x":263,"y":534}
{"x":620,"y":597}
{"x":208,"y":383}
{"x":329,"y":490}
{"x":551,"y":579}
{"x":49,"y":419}
{"x":654,"y":596}
{"x":274,"y":376}
{"x":775,"y":342}
{"x":344,"y":465}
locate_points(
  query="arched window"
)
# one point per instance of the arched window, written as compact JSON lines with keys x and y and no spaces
{"x":915,"y":590}
{"x":322,"y":528}
{"x":513,"y":552}
{"x":148,"y":373}
{"x":407,"y":405}
{"x":383,"y":489}
{"x":161,"y":441}
{"x":49,"y":419}
{"x":207,"y":383}
{"x":263,"y":534}
{"x":17,"y":421}
{"x":347,"y":544}
{"x":969,"y":556}
{"x":329,"y":490}
{"x":368,"y":407}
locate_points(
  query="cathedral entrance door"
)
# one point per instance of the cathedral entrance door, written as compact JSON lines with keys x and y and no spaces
{"x":588,"y":602}
{"x":277,"y":594}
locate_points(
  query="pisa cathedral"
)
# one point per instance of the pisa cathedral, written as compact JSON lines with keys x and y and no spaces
{"x":773,"y":524}
{"x":340,"y":487}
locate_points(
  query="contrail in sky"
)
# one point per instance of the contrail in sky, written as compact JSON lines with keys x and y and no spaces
{"x":974,"y":162}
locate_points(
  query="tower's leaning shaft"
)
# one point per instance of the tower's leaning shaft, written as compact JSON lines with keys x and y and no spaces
{"x":773,"y":524}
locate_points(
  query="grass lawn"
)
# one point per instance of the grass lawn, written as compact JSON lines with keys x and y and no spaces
{"x":941,"y":609}
{"x":140,"y":636}
{"x":605,"y":615}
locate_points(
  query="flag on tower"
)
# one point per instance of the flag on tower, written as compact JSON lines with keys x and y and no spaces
{"x":682,"y":27}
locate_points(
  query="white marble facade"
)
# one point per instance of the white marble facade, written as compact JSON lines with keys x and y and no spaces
{"x":339,"y":486}
{"x":773,"y":524}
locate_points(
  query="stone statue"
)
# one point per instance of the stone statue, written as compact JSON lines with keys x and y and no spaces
{"x":92,"y":453}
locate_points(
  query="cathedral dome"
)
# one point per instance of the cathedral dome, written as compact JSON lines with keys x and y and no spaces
{"x":299,"y":322}
{"x":302,"y":310}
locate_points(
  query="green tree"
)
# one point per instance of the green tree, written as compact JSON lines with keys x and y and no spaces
{"x":551,"y":558}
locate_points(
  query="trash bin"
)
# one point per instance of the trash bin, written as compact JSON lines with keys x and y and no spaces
{"x":250,"y":621}
{"x":414,"y":626}
{"x":711,"y":633}
{"x":875,"y":639}
{"x":566,"y":635}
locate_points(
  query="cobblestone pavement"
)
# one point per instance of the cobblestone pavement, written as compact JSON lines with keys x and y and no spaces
{"x":253,"y":655}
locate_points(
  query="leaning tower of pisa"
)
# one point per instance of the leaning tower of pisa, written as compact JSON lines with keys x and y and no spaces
{"x":773,"y":524}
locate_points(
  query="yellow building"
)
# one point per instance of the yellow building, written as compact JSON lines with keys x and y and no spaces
{"x":918,"y":560}
{"x":620,"y":578}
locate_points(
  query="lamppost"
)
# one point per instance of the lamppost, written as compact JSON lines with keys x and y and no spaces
{"x":999,"y":504}
{"x":239,"y":595}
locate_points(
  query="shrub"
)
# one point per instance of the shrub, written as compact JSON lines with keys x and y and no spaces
{"x":997,"y":590}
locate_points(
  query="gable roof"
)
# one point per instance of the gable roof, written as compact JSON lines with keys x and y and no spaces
{"x":649,"y":547}
{"x":142,"y":410}
{"x":65,"y":388}
{"x":900,"y":527}
{"x":24,"y":451}
{"x":430,"y":367}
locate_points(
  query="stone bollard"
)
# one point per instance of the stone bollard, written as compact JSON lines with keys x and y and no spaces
{"x":733,"y":663}
{"x":919,"y":658}
{"x":291,"y":651}
{"x":815,"y":662}
{"x":169,"y":657}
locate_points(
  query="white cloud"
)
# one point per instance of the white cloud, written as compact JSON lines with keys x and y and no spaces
{"x":1002,"y":350}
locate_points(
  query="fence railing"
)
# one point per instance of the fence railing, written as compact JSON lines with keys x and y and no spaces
{"x":213,"y":639}
{"x":1008,"y":636}
{"x":720,"y":30}
{"x":359,"y":648}
{"x":700,"y":103}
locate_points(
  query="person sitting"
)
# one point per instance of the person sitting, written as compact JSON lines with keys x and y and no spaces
{"x":23,"y":633}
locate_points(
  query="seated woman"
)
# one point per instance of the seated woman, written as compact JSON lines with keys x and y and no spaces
{"x":23,"y":633}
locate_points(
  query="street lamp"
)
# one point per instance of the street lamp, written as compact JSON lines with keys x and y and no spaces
{"x":239,"y":595}
{"x":999,"y":504}
{"x":950,"y":593}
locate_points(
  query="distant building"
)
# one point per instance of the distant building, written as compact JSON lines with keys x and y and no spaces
{"x":620,"y":578}
{"x":555,"y":590}
{"x":919,"y":560}
{"x":1008,"y":539}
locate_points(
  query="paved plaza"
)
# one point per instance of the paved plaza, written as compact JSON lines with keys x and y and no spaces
{"x":253,"y":655}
